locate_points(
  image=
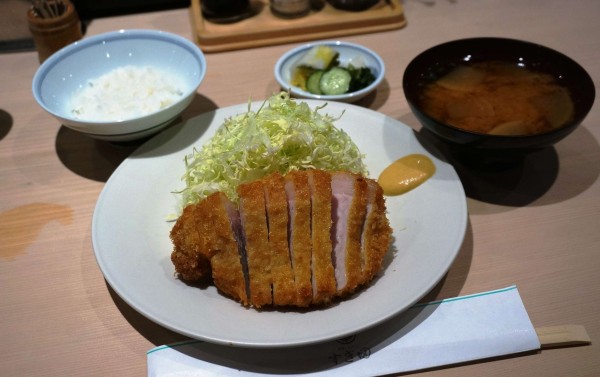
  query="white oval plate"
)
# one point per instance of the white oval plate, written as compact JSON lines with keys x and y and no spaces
{"x":132,"y":246}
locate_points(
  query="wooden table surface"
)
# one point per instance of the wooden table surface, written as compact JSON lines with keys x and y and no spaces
{"x":536,"y":225}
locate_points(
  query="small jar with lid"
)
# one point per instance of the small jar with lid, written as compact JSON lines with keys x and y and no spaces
{"x":353,"y":5}
{"x":225,"y":11}
{"x":290,"y":8}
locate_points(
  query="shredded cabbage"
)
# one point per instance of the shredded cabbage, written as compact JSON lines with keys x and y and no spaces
{"x":283,"y":135}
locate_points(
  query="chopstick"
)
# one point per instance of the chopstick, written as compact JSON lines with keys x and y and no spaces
{"x":562,"y":336}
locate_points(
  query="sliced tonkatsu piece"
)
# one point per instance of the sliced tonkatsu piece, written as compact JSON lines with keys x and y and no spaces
{"x":188,"y":256}
{"x":284,"y":290}
{"x":376,"y":234}
{"x":323,"y":275}
{"x":256,"y":238}
{"x":299,"y":233}
{"x":196,"y":240}
{"x":205,"y":240}
{"x":229,"y":265}
{"x":349,"y":206}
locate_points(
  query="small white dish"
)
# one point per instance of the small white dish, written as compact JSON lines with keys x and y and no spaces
{"x":348,"y":52}
{"x":71,"y":68}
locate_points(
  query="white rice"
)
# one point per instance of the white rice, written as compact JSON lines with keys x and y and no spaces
{"x":125,"y":93}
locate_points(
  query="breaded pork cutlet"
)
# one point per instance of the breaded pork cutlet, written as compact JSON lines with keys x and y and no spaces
{"x":284,"y":290}
{"x":303,"y":239}
{"x":299,"y":233}
{"x":207,"y":244}
{"x":323,"y":275}
{"x":349,"y":208}
{"x":190,"y":250}
{"x":376,"y":233}
{"x":229,"y":265}
{"x":256,"y":238}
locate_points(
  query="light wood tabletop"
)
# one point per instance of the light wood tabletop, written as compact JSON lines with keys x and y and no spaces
{"x":536,"y":225}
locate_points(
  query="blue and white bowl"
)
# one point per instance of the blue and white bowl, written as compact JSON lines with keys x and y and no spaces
{"x":348,"y":52}
{"x":71,"y":68}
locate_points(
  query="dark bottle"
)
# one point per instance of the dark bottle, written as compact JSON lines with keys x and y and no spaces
{"x":223,"y":11}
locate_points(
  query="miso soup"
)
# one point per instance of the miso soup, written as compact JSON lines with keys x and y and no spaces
{"x":498,"y":98}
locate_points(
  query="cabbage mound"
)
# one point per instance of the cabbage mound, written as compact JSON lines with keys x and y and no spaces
{"x":283,"y":135}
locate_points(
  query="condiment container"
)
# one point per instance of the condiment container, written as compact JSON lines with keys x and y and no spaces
{"x":290,"y":8}
{"x":353,"y":5}
{"x":50,"y":34}
{"x":225,"y":11}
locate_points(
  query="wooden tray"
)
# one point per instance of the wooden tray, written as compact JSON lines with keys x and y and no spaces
{"x":264,"y":29}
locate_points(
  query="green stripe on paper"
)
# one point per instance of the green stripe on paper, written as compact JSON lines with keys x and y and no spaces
{"x":460,"y":298}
